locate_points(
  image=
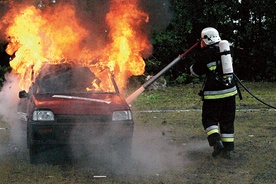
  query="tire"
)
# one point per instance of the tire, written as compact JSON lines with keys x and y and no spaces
{"x":33,"y":150}
{"x":33,"y":155}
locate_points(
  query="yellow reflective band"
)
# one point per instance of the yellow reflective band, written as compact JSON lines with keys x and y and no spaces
{"x":227,"y":139}
{"x":212,"y":131}
{"x":212,"y":68}
{"x":208,"y":97}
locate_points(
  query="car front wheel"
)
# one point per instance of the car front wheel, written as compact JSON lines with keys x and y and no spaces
{"x":33,"y":155}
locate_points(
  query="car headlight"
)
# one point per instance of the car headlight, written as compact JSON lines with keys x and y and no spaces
{"x":43,"y":115}
{"x":121,"y":115}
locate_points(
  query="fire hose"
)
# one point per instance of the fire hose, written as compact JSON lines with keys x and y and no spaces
{"x":247,"y":90}
{"x":134,"y":95}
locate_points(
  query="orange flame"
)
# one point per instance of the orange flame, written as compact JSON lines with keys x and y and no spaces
{"x":55,"y":35}
{"x":128,"y":43}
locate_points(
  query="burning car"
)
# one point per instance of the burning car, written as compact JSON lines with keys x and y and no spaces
{"x":63,"y":107}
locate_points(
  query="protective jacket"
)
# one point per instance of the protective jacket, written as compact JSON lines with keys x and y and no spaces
{"x":215,"y":86}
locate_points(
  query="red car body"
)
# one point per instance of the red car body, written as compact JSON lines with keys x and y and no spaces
{"x":64,"y":114}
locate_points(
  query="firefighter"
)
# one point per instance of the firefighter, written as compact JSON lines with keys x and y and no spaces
{"x":218,"y":91}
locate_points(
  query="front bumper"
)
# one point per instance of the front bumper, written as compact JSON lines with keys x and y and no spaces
{"x":55,"y":133}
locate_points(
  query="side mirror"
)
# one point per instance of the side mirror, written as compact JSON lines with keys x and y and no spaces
{"x":23,"y":94}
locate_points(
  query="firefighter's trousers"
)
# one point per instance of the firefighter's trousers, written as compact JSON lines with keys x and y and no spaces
{"x":218,"y":118}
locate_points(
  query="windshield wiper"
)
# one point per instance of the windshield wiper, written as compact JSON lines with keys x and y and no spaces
{"x":81,"y":98}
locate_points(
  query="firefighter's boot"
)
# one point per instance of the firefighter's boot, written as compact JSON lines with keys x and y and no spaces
{"x":217,"y":148}
{"x":225,"y":154}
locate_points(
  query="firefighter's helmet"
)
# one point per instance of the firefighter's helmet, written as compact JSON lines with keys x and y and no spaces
{"x":210,"y":36}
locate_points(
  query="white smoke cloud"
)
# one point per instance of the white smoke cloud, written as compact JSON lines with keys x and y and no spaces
{"x":9,"y":98}
{"x":8,"y":111}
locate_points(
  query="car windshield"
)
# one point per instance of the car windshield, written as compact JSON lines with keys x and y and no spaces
{"x":67,"y":80}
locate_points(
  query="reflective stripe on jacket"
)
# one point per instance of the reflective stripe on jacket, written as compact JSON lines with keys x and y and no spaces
{"x":220,"y":93}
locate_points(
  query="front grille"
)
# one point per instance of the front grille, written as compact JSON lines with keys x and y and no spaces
{"x":83,"y":118}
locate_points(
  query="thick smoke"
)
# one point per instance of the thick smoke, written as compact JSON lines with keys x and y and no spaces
{"x":9,"y":98}
{"x":159,"y":13}
{"x":95,"y":11}
{"x":8,"y":109}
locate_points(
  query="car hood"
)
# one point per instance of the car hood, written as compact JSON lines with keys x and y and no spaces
{"x":80,"y":103}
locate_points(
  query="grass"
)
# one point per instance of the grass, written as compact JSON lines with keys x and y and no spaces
{"x":185,"y":97}
{"x":252,"y":162}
